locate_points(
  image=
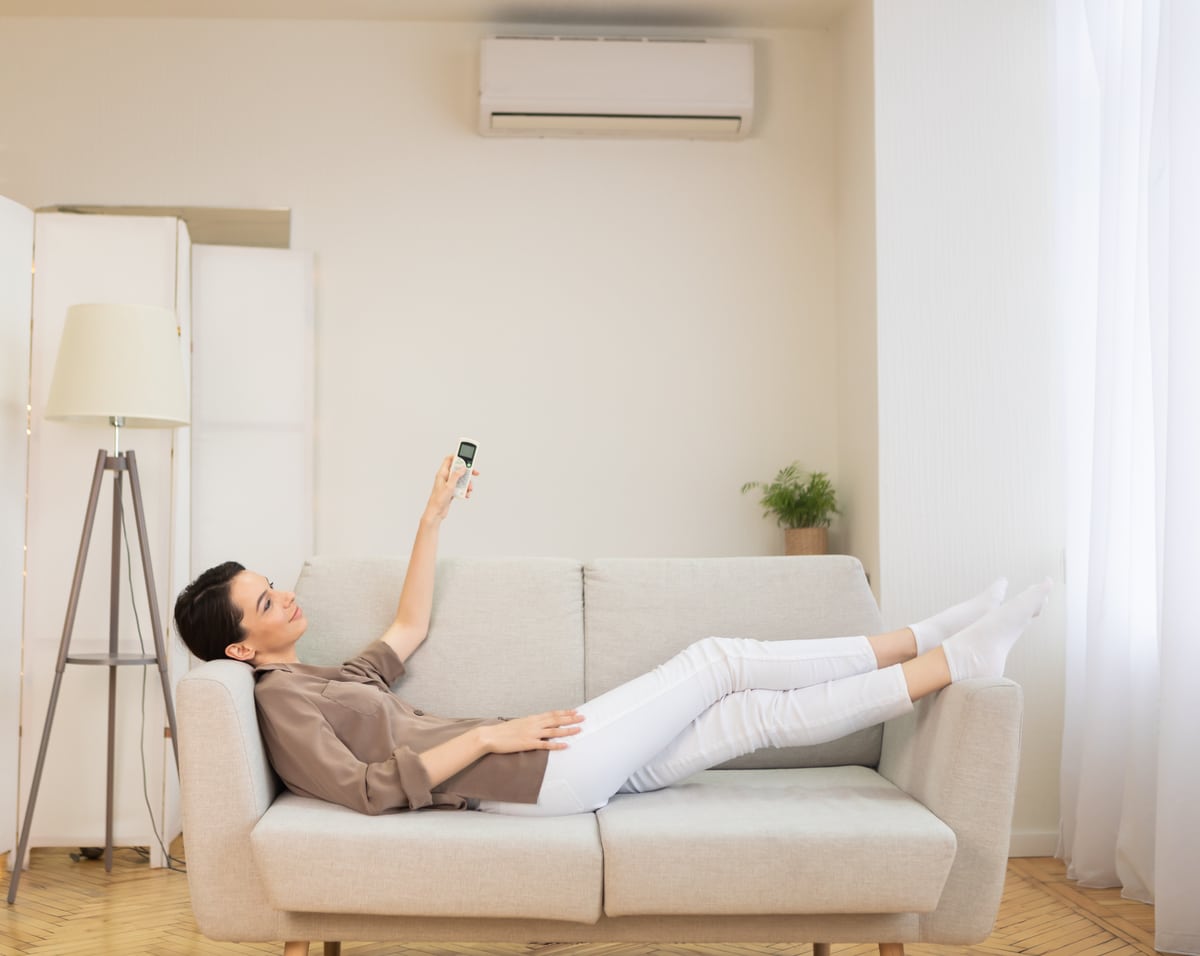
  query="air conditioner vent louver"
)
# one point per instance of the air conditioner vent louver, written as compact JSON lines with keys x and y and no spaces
{"x":616,"y":86}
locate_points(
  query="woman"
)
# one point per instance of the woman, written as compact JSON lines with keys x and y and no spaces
{"x":337,"y":733}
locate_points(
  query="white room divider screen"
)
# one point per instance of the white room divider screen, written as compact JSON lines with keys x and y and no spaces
{"x":96,"y":259}
{"x":252,"y":409}
{"x":16,"y":260}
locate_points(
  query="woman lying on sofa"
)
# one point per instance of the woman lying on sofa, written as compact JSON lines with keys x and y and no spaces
{"x":339,"y":734}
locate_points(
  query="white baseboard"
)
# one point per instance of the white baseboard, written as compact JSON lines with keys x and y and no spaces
{"x":1033,"y":843}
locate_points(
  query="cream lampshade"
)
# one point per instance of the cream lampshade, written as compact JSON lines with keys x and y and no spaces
{"x":121,"y":364}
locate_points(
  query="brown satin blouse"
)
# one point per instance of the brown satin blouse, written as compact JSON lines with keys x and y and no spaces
{"x":339,"y":734}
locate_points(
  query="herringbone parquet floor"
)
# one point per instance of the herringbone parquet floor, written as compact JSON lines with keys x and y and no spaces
{"x":74,"y":909}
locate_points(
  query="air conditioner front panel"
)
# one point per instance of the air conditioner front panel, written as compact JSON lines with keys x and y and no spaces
{"x":649,"y":81}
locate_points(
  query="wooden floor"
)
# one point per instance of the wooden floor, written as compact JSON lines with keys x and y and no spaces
{"x":75,"y":909}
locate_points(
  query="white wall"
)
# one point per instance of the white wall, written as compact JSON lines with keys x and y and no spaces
{"x":857,"y":531}
{"x":970,"y":449}
{"x":632,"y":329}
{"x":601,"y":304}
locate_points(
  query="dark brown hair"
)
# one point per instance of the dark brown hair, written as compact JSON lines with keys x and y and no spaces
{"x":205,"y":615}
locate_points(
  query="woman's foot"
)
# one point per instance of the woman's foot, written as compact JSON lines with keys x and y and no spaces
{"x":931,"y":632}
{"x":981,"y":649}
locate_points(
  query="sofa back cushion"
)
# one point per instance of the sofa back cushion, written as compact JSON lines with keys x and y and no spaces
{"x":505,"y":637}
{"x":638,"y":612}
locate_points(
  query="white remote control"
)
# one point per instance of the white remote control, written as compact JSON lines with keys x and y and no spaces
{"x":465,"y":458}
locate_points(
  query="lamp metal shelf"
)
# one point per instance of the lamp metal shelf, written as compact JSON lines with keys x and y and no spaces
{"x":113,"y":660}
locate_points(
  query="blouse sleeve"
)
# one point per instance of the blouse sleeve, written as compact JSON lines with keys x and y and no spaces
{"x":378,"y":663}
{"x":312,"y":761}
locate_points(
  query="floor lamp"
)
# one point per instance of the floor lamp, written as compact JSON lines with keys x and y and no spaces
{"x":120,"y":364}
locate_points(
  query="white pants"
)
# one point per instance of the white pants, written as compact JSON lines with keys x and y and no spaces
{"x":717,"y":699}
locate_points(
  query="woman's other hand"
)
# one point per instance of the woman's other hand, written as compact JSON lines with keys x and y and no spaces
{"x":538,"y":732}
{"x":443,"y":487}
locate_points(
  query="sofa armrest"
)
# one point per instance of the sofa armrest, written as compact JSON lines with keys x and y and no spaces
{"x":958,"y":754}
{"x":226,"y":785}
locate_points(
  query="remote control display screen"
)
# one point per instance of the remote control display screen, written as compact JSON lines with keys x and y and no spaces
{"x":466,"y":451}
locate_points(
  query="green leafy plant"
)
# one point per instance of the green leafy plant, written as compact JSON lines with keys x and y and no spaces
{"x":795,"y":501}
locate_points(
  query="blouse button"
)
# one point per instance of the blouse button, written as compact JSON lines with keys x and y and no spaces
{"x":419,"y":713}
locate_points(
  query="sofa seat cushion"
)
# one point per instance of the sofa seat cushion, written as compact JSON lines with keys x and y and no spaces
{"x":318,"y":857}
{"x":788,"y":841}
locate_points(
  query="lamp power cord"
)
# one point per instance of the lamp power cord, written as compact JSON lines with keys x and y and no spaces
{"x":173,"y":863}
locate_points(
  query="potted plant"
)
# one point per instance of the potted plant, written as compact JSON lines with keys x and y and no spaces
{"x":803,"y":507}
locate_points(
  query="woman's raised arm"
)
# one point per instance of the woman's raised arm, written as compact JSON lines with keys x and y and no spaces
{"x":411,"y":624}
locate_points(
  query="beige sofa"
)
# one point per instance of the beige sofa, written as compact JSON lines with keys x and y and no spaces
{"x":891,"y":835}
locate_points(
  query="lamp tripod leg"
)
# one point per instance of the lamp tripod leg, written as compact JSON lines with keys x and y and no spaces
{"x":19,"y":860}
{"x":64,"y":646}
{"x":114,"y":635}
{"x":160,"y":651}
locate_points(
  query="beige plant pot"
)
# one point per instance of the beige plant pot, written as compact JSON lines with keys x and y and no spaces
{"x":806,"y":540}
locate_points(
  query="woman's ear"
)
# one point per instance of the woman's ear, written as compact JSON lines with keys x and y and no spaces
{"x":240,"y":652}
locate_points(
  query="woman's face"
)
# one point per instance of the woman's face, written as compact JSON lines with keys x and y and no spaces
{"x":272,"y":621}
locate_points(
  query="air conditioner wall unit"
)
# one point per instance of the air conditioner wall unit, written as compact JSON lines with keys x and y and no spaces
{"x":610,"y":86}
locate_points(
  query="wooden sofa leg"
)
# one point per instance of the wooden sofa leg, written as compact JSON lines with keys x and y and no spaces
{"x":296,"y":947}
{"x":820,"y":949}
{"x":891,"y":949}
{"x":333,"y":949}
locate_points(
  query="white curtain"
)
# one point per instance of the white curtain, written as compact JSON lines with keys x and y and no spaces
{"x":1128,"y":218}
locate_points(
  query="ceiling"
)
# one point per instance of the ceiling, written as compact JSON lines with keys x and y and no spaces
{"x":727,"y":14}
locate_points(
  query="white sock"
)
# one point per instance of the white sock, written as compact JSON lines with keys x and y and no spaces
{"x":981,"y":649}
{"x":933,"y":630}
